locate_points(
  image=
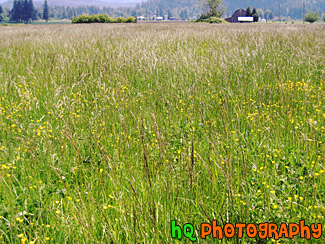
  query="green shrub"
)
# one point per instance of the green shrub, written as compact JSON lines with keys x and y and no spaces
{"x":217,"y":20}
{"x":203,"y":17}
{"x":94,"y":19}
{"x":131,"y":20}
{"x":206,"y":19}
{"x":81,"y":19}
{"x":101,"y":18}
{"x":120,"y":20}
{"x":312,"y":17}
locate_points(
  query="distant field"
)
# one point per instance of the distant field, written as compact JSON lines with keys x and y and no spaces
{"x":110,"y":132}
{"x":43,"y":22}
{"x":38,"y":22}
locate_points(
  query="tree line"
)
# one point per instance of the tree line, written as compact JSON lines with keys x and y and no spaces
{"x":178,"y":9}
{"x":25,"y":11}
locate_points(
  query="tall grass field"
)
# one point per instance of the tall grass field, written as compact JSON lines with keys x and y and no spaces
{"x":110,"y":132}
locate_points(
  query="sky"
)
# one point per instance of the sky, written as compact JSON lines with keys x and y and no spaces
{"x":112,"y":1}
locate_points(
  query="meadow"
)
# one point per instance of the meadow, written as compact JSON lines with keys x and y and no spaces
{"x":110,"y":132}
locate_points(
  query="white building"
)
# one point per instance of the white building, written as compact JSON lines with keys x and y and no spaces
{"x":246,"y":19}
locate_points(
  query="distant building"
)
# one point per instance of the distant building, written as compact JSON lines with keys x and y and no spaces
{"x":239,"y":16}
{"x":141,"y":18}
{"x":160,"y":18}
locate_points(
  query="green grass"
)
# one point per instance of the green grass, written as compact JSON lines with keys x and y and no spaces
{"x":38,"y":22}
{"x":107,"y":133}
{"x":51,"y":22}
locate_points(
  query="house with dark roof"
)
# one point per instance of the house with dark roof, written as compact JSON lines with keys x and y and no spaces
{"x":238,"y":16}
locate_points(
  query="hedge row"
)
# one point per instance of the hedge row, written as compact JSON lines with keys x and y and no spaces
{"x":211,"y":20}
{"x":101,"y":18}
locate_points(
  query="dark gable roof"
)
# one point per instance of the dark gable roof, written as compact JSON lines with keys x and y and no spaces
{"x":239,"y":13}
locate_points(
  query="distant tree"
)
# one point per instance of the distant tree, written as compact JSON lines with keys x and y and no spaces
{"x":23,"y":11}
{"x":260,"y":13}
{"x":182,"y":14}
{"x":169,"y":14}
{"x":186,"y":15}
{"x":64,"y":14}
{"x":312,"y":17}
{"x":324,"y":17}
{"x":134,"y":14}
{"x":249,"y":11}
{"x":255,"y":15}
{"x":268,"y":14}
{"x":46,"y":11}
{"x":2,"y":13}
{"x":17,"y":11}
{"x":32,"y":12}
{"x":160,"y":12}
{"x":26,"y":14}
{"x":215,"y":8}
{"x":20,"y":10}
